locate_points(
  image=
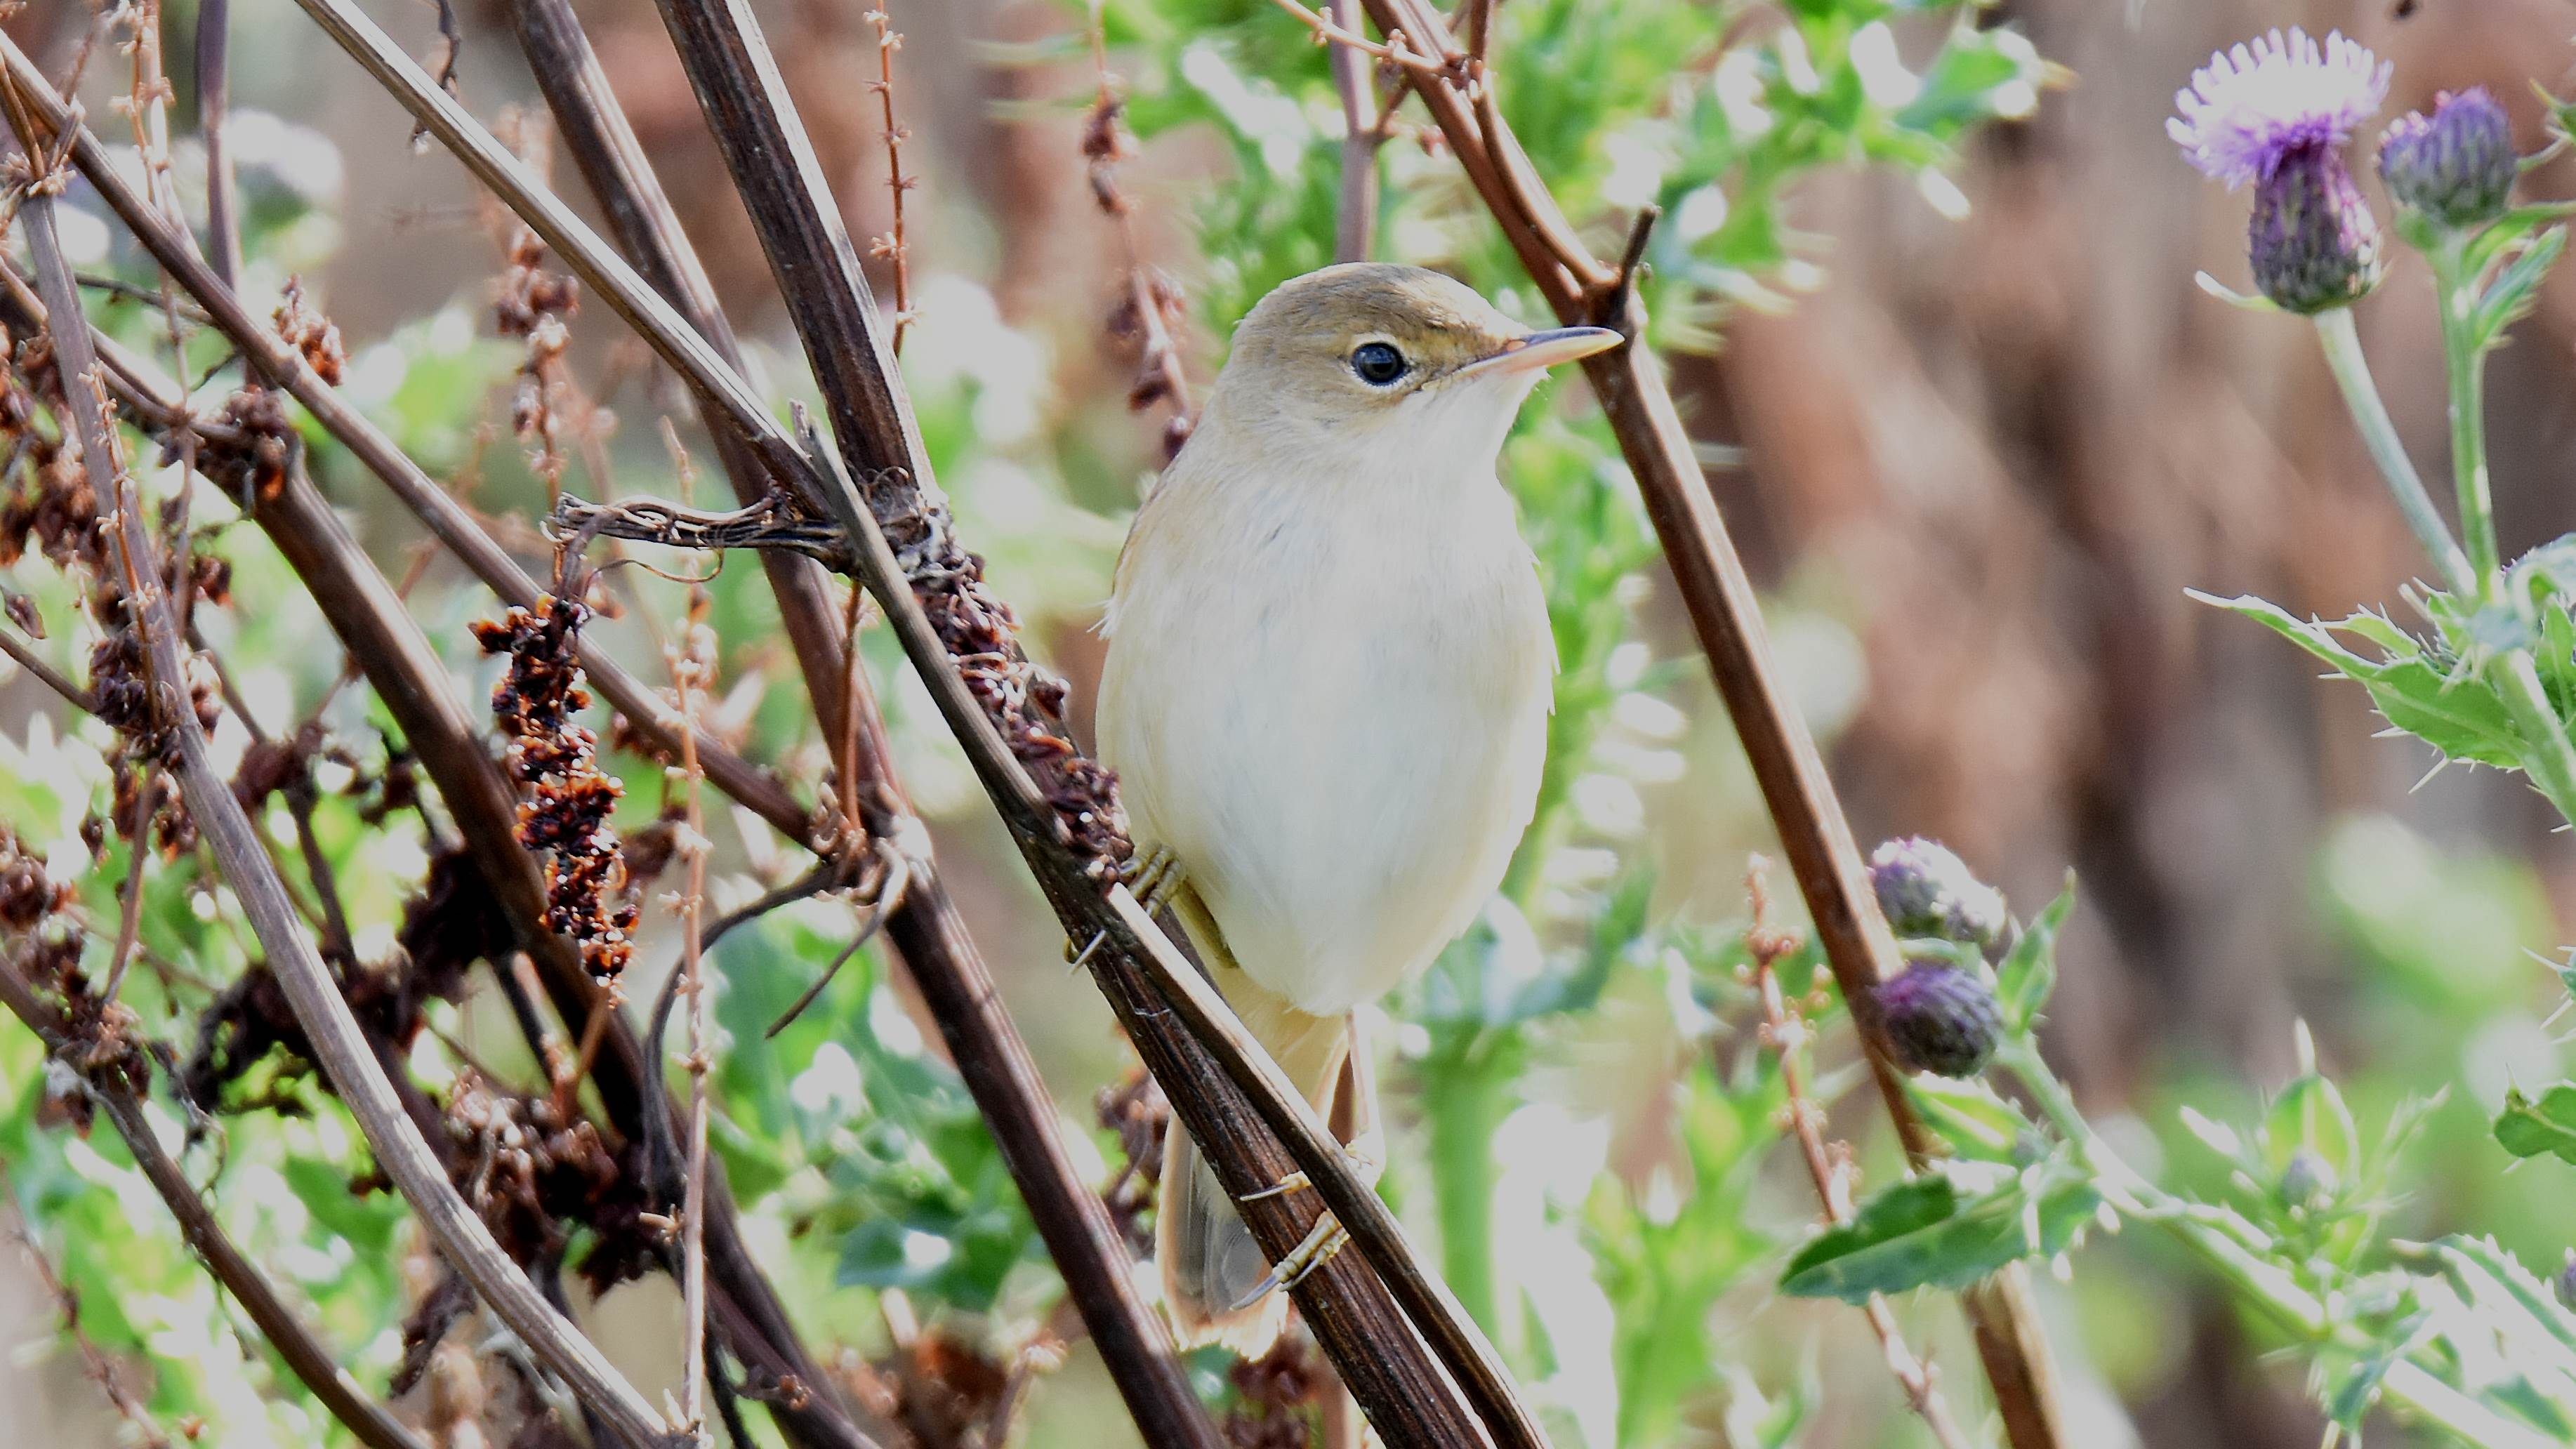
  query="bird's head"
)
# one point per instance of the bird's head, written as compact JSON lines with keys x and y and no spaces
{"x":1359,"y":353}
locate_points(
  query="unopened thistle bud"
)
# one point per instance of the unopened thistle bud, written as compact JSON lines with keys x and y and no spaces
{"x":2313,"y":242}
{"x":2277,"y":112}
{"x":2563,"y":1283}
{"x":1939,"y":1018}
{"x":2455,"y":166}
{"x":1925,"y":889}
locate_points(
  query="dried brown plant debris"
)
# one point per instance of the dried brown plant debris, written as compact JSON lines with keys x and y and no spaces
{"x":534,"y":305}
{"x":304,"y":328}
{"x":247,"y":452}
{"x":1025,"y":702}
{"x":564,"y":817}
{"x":452,"y":922}
{"x":1137,"y":1113}
{"x":1277,"y":1396}
{"x":532,"y":1170}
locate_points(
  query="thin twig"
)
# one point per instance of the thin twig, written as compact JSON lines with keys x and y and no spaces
{"x":692,"y":660}
{"x":316,"y":1366}
{"x":1151,"y":299}
{"x":95,"y":1362}
{"x":32,"y":662}
{"x":1726,"y":615}
{"x":893,"y":248}
{"x":1394,"y":51}
{"x":339,"y":1044}
{"x":1829,"y":1164}
{"x":1363,"y":132}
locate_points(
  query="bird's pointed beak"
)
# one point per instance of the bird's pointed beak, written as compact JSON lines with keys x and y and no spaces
{"x":1539,"y":350}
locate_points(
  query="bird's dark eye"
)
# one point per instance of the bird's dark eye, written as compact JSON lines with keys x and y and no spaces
{"x":1377,"y":363}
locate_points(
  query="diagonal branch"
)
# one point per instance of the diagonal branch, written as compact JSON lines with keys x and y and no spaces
{"x":1727,"y":617}
{"x":649,"y":713}
{"x":366,"y":612}
{"x":305,"y":1356}
{"x":339,"y":1044}
{"x":1356,"y":1318}
{"x":926,"y":927}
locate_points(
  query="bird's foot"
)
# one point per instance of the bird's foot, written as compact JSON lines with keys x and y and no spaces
{"x":1366,"y":1159}
{"x":1322,"y":1241}
{"x":1154,"y":876}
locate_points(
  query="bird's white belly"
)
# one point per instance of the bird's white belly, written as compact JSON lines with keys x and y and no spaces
{"x":1342,"y":755}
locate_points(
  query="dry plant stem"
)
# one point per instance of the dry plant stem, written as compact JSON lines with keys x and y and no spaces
{"x":214,"y":106}
{"x":686,"y":666}
{"x":367,"y":614}
{"x":1787,"y":1036}
{"x":1726,"y":616}
{"x":339,"y":1045}
{"x":316,"y":1366}
{"x":1355,"y":213}
{"x":593,"y":130}
{"x":34,"y":663}
{"x":893,"y":246}
{"x":776,"y":172}
{"x":1154,"y":339}
{"x":444,"y":516}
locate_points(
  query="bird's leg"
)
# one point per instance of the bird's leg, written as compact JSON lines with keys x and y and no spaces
{"x":1322,"y":1241}
{"x":1154,"y":876}
{"x":1355,"y":1121}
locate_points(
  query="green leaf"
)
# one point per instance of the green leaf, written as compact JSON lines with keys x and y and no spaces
{"x":2527,"y":1128}
{"x":1922,"y":1233}
{"x":2516,"y":288}
{"x":1978,"y":1124}
{"x":2460,"y":717}
{"x":2029,"y":970}
{"x":2507,"y":230}
{"x":2310,"y":1116}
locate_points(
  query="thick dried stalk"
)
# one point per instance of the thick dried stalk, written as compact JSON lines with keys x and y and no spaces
{"x":366,"y":612}
{"x":1726,"y":615}
{"x":339,"y":1044}
{"x":925,"y":926}
{"x":781,"y":182}
{"x":305,"y":1357}
{"x":444,"y":516}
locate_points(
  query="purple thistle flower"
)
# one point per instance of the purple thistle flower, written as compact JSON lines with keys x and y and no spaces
{"x":2277,"y":112}
{"x":2266,"y":100}
{"x":2456,"y":166}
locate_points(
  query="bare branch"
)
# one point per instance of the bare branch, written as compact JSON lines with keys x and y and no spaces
{"x":1726,"y":615}
{"x":338,"y":1042}
{"x":316,"y":1366}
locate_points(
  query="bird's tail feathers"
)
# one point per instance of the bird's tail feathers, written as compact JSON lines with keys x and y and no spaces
{"x":1210,"y":1262}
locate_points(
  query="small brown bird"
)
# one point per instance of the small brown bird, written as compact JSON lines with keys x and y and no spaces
{"x":1327,"y":690}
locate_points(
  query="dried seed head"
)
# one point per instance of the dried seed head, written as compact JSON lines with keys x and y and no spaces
{"x":305,"y":329}
{"x":564,"y":816}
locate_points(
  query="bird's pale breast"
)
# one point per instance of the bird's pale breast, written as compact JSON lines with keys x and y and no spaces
{"x":1335,"y":717}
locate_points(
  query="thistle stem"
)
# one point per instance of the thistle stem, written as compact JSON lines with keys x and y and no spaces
{"x":2352,"y":373}
{"x":2466,"y":363}
{"x":1474,"y":1092}
{"x":2547,"y":757}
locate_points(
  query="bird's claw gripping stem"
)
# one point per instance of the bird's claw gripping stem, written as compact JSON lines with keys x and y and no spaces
{"x":1322,"y":1241}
